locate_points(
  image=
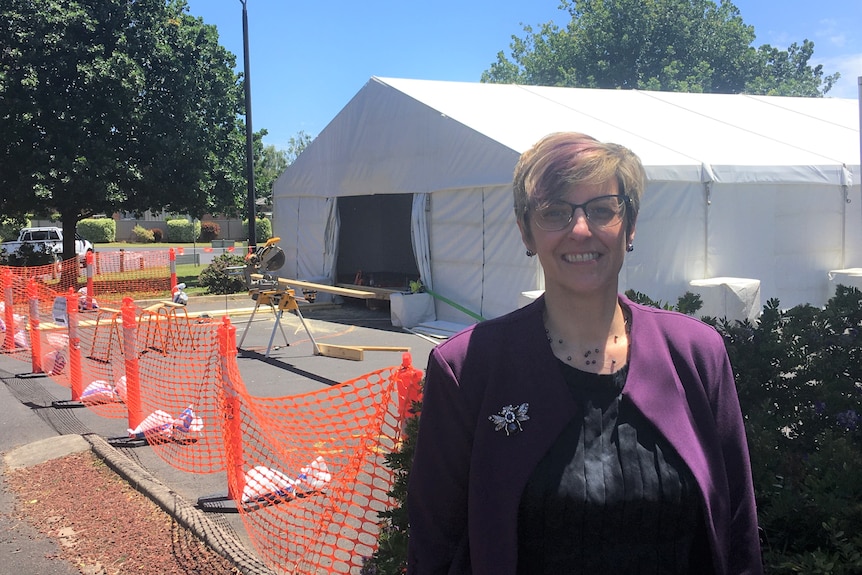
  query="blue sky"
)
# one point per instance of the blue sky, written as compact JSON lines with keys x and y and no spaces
{"x":308,"y":59}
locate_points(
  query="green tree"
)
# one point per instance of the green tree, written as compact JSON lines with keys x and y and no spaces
{"x":116,"y":105}
{"x":270,"y":162}
{"x":787,"y":72}
{"x":671,"y":45}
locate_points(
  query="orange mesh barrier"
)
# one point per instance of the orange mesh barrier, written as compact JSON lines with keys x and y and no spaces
{"x":306,"y":472}
{"x":109,"y":276}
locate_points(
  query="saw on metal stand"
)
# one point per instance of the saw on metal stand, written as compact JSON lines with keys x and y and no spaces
{"x":268,"y":289}
{"x":263,"y":261}
{"x":262,"y":284}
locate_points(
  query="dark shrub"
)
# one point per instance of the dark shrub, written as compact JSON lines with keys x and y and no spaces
{"x":799,"y":377}
{"x":28,"y":255}
{"x":209,"y":231}
{"x":217,"y":279}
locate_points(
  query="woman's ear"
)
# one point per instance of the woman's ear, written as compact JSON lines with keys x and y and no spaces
{"x":526,"y":236}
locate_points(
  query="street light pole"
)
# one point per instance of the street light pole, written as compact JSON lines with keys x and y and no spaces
{"x":249,"y":135}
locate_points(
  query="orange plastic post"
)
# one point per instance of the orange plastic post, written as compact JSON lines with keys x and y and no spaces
{"x":35,"y":334}
{"x":231,"y":412}
{"x":407,"y":379}
{"x":74,"y":345}
{"x":130,"y":351}
{"x":9,"y":340}
{"x":90,"y":289}
{"x":172,"y":257}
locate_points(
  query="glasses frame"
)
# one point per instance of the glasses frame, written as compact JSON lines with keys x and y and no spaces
{"x":625,"y":205}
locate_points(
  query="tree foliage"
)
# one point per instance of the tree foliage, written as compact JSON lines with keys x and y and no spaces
{"x":668,"y":45}
{"x":270,"y":162}
{"x":116,"y":105}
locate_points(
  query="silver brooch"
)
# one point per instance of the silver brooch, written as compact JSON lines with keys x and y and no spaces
{"x":510,"y":418}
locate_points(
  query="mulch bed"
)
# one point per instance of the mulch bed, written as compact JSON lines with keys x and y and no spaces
{"x":103,"y":525}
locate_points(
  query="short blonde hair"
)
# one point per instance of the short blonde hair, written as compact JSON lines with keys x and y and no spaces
{"x":560,"y":161}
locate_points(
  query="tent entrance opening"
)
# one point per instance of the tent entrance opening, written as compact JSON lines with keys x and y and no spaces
{"x":374,"y":244}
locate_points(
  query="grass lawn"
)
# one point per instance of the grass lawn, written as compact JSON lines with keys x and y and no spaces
{"x":161,"y":245}
{"x":186,"y":273}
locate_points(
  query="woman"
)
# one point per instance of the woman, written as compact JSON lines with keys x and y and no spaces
{"x":583,"y":433}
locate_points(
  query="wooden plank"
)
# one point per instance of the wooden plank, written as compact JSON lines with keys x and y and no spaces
{"x":354,"y":352}
{"x":85,"y":323}
{"x":381,"y":348}
{"x":340,"y":351}
{"x":382,"y":293}
{"x":355,"y":293}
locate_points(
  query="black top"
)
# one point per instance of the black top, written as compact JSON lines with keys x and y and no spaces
{"x":611,"y":495}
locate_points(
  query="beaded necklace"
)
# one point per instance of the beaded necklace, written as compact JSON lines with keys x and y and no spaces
{"x":589,"y":357}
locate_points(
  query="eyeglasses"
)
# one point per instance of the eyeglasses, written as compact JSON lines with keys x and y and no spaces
{"x":603,"y":211}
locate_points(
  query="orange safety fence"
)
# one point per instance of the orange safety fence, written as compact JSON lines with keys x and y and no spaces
{"x":306,"y":472}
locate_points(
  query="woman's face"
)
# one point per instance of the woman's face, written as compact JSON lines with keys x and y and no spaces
{"x":582,"y":259}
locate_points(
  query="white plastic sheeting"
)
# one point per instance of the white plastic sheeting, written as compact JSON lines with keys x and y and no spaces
{"x":728,"y":298}
{"x":757,"y":187}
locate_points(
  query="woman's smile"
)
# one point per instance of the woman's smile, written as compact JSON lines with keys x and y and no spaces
{"x":581,"y":257}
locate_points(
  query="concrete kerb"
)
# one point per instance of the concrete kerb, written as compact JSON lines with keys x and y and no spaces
{"x":172,"y":503}
{"x":44,"y":450}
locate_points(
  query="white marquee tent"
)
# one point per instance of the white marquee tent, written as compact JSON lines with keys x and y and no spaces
{"x":413,"y":178}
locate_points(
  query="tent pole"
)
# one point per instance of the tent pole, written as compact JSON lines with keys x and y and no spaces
{"x":708,"y":192}
{"x":859,"y":99}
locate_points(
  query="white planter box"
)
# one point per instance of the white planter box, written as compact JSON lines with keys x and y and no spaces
{"x":411,"y":309}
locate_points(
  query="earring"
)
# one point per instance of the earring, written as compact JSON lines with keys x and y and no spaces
{"x":630,"y":247}
{"x":530,"y":253}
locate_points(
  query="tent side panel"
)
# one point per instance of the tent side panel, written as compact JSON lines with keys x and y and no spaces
{"x":853,"y":223}
{"x":286,"y":227}
{"x":314,"y":223}
{"x":507,"y":269}
{"x":301,"y":223}
{"x":669,"y":241}
{"x":786,"y":236}
{"x":456,"y":252}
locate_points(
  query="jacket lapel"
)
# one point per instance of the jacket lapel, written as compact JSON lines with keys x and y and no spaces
{"x":654,"y":387}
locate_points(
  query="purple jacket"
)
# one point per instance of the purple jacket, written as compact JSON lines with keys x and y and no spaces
{"x":467,"y":479}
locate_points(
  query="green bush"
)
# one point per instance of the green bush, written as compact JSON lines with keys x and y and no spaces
{"x":142,"y":235}
{"x":98,"y":230}
{"x":262,"y":230}
{"x":391,"y":555}
{"x":799,"y":377}
{"x":217,"y":279}
{"x":183,"y":231}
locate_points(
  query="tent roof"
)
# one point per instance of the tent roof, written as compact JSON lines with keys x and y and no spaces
{"x":401,"y":136}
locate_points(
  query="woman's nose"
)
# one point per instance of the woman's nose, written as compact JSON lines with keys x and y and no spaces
{"x":579,"y":224}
